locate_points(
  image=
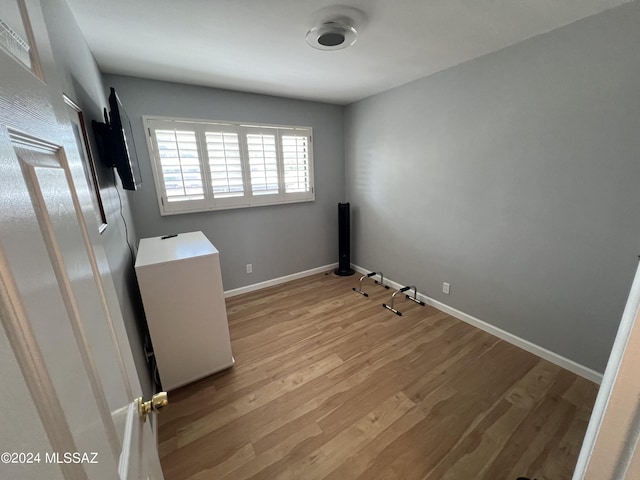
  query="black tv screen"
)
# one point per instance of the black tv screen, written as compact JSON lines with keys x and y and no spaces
{"x":126,"y":161}
{"x":115,"y":143}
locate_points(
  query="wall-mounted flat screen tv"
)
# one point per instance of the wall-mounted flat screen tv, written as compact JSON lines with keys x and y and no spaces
{"x":115,"y":143}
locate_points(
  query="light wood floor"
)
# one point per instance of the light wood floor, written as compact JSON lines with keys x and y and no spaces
{"x":328,"y":384}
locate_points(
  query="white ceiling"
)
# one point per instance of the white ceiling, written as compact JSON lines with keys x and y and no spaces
{"x":259,"y":45}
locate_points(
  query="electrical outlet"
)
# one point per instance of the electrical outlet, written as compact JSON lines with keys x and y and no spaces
{"x":445,"y":288}
{"x":249,"y":268}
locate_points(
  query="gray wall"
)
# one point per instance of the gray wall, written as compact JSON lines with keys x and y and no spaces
{"x":278,"y":240}
{"x":515,"y":178}
{"x":82,"y":82}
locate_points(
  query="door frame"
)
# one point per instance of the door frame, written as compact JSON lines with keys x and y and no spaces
{"x":610,"y":446}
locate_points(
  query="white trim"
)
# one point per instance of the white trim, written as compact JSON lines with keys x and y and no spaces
{"x":223,"y":123}
{"x":537,"y":350}
{"x":278,"y":281}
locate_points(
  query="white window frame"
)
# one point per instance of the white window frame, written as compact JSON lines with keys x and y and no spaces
{"x":210,"y":202}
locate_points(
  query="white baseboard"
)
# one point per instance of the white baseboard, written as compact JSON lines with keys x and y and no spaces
{"x":541,"y":352}
{"x":278,"y":281}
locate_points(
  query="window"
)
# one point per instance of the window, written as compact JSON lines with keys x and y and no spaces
{"x":200,"y":165}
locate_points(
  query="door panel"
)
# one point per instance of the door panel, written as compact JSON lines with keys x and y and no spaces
{"x":27,"y":433}
{"x":46,"y":176}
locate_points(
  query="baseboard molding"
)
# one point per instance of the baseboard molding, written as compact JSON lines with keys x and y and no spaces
{"x":530,"y":347}
{"x":278,"y":281}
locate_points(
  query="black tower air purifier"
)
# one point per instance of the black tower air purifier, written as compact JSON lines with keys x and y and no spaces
{"x":344,"y":241}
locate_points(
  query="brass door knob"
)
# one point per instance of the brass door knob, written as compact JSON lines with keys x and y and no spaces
{"x":157,"y":403}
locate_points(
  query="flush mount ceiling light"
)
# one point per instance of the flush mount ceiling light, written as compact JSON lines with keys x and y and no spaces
{"x":332,"y":35}
{"x":334,"y":28}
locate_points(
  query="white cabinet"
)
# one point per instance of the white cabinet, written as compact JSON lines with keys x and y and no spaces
{"x":183,"y":299}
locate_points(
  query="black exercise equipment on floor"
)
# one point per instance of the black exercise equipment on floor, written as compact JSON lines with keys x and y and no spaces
{"x":413,"y":298}
{"x":369,"y":275}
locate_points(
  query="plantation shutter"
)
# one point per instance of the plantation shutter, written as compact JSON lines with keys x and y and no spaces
{"x":225,"y":164}
{"x":295,"y":157}
{"x":180,"y":162}
{"x":263,"y":163}
{"x":208,"y":165}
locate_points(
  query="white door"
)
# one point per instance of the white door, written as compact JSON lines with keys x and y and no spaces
{"x":67,"y":378}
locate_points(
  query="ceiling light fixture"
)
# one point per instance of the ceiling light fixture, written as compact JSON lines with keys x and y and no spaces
{"x":335,"y":28}
{"x":332,"y":35}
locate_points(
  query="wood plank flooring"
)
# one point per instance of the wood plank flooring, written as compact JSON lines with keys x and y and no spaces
{"x":329,"y":385}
